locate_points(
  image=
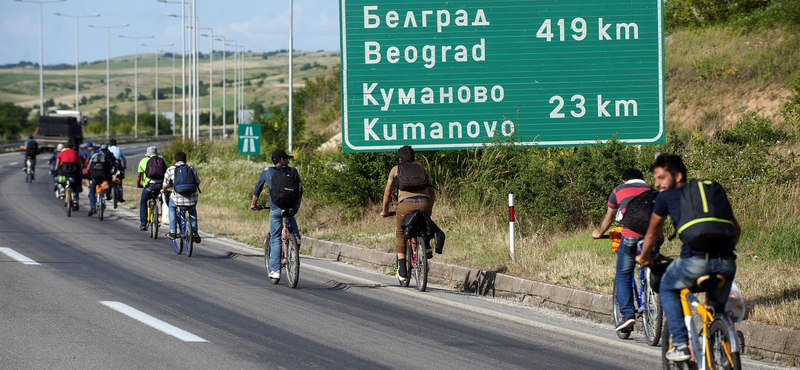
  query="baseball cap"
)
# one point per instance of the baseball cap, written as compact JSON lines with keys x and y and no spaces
{"x":151,"y":151}
{"x":104,"y":146}
{"x":89,"y":144}
{"x":60,"y":147}
{"x":279,"y":154}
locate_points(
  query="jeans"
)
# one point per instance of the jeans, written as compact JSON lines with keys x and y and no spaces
{"x":275,"y":229}
{"x":173,"y":217}
{"x":626,"y":262}
{"x":146,"y":193}
{"x":92,"y":199}
{"x":683,"y":273}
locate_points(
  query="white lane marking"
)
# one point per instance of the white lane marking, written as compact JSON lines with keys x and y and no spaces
{"x":17,"y":256}
{"x":13,"y":163}
{"x":153,"y":322}
{"x":482,"y":311}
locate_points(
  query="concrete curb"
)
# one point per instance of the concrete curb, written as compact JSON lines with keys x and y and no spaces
{"x":769,"y":342}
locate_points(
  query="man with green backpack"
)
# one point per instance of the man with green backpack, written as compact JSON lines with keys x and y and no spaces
{"x":709,"y":231}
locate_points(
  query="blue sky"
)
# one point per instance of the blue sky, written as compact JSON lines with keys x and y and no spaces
{"x":260,"y":25}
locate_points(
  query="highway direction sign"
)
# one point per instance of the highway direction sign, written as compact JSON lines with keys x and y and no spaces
{"x":249,"y":139}
{"x":461,"y":74}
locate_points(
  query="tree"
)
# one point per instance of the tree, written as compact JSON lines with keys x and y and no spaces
{"x":12,"y":119}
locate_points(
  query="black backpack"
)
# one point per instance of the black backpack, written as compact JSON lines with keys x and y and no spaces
{"x":100,"y":166}
{"x":285,"y":189}
{"x":155,"y":168}
{"x":411,"y":176}
{"x":184,"y":180}
{"x":706,"y":222}
{"x":638,"y":211}
{"x":32,"y":149}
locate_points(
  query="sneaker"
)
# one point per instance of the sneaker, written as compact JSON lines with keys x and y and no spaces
{"x":627,"y":324}
{"x":429,"y":253}
{"x":91,"y":212}
{"x":143,"y":227}
{"x":275,"y":275}
{"x":401,"y":278}
{"x":76,"y":208}
{"x":679,"y":354}
{"x":108,"y":196}
{"x":172,"y":236}
{"x":121,"y":200}
{"x":196,"y":237}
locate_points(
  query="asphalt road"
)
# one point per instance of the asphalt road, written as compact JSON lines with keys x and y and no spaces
{"x":79,"y":293}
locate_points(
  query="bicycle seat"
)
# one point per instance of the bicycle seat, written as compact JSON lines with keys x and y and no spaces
{"x":705,"y":282}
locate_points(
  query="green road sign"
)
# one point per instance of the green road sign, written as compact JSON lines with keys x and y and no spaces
{"x":249,"y":139}
{"x":458,"y":74}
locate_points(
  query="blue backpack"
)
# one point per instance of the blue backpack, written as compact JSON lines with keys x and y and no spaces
{"x":185,"y":181}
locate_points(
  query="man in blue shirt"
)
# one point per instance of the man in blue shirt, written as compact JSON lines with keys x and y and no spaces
{"x":670,"y":176}
{"x":280,"y":160}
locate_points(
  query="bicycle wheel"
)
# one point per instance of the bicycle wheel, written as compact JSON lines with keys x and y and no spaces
{"x":267,"y":263}
{"x":28,"y":170}
{"x":652,"y":315}
{"x":114,"y":196}
{"x":719,"y":348}
{"x":153,"y":206}
{"x":187,"y":236}
{"x":70,"y":201}
{"x":292,"y":261}
{"x":622,"y":334}
{"x":101,"y":205}
{"x":177,"y":243}
{"x":409,"y":256}
{"x":421,"y":268}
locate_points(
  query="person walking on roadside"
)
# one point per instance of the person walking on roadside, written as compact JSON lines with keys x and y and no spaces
{"x":149,"y":176}
{"x":633,"y":185}
{"x":285,"y":194}
{"x":689,"y":204}
{"x":415,"y":193}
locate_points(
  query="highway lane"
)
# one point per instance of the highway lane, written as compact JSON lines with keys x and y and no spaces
{"x":222,"y":312}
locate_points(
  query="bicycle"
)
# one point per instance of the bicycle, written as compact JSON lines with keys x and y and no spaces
{"x":29,"y":175}
{"x":69,"y":195}
{"x":646,"y":302}
{"x":416,"y":259}
{"x":116,"y":187}
{"x":718,"y":346}
{"x":185,"y":238}
{"x":100,"y":191}
{"x":290,"y":253}
{"x":153,"y":212}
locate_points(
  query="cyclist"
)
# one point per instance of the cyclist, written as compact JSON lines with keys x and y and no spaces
{"x":68,"y":163}
{"x":122,"y":163}
{"x":52,"y":162}
{"x":413,"y":197}
{"x":669,"y":172}
{"x":87,"y":152}
{"x":150,"y":183}
{"x":31,"y":150}
{"x":280,"y":161}
{"x":101,"y":166}
{"x":633,"y":185}
{"x":177,"y":199}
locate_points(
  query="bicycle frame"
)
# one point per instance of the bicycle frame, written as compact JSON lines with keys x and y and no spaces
{"x":689,"y":301}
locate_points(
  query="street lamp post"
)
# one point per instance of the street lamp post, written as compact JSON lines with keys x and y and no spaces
{"x":183,"y":60}
{"x":41,"y":50}
{"x":136,"y":81}
{"x":210,"y":83}
{"x":241,"y":84}
{"x":234,"y":86}
{"x":224,"y":107}
{"x":156,"y":91}
{"x":173,"y":94}
{"x":77,"y":48}
{"x":291,"y":53}
{"x":108,"y":75}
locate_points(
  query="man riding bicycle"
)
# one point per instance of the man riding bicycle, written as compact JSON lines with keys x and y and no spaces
{"x":617,"y":203}
{"x":412,"y":197}
{"x":101,"y":166}
{"x":122,"y":163}
{"x":149,"y":177}
{"x":175,"y":177}
{"x":670,"y":179}
{"x":31,"y":150}
{"x":69,"y":164}
{"x":285,"y":193}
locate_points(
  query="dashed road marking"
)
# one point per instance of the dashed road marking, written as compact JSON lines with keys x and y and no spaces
{"x":18,"y":256}
{"x":153,"y":322}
